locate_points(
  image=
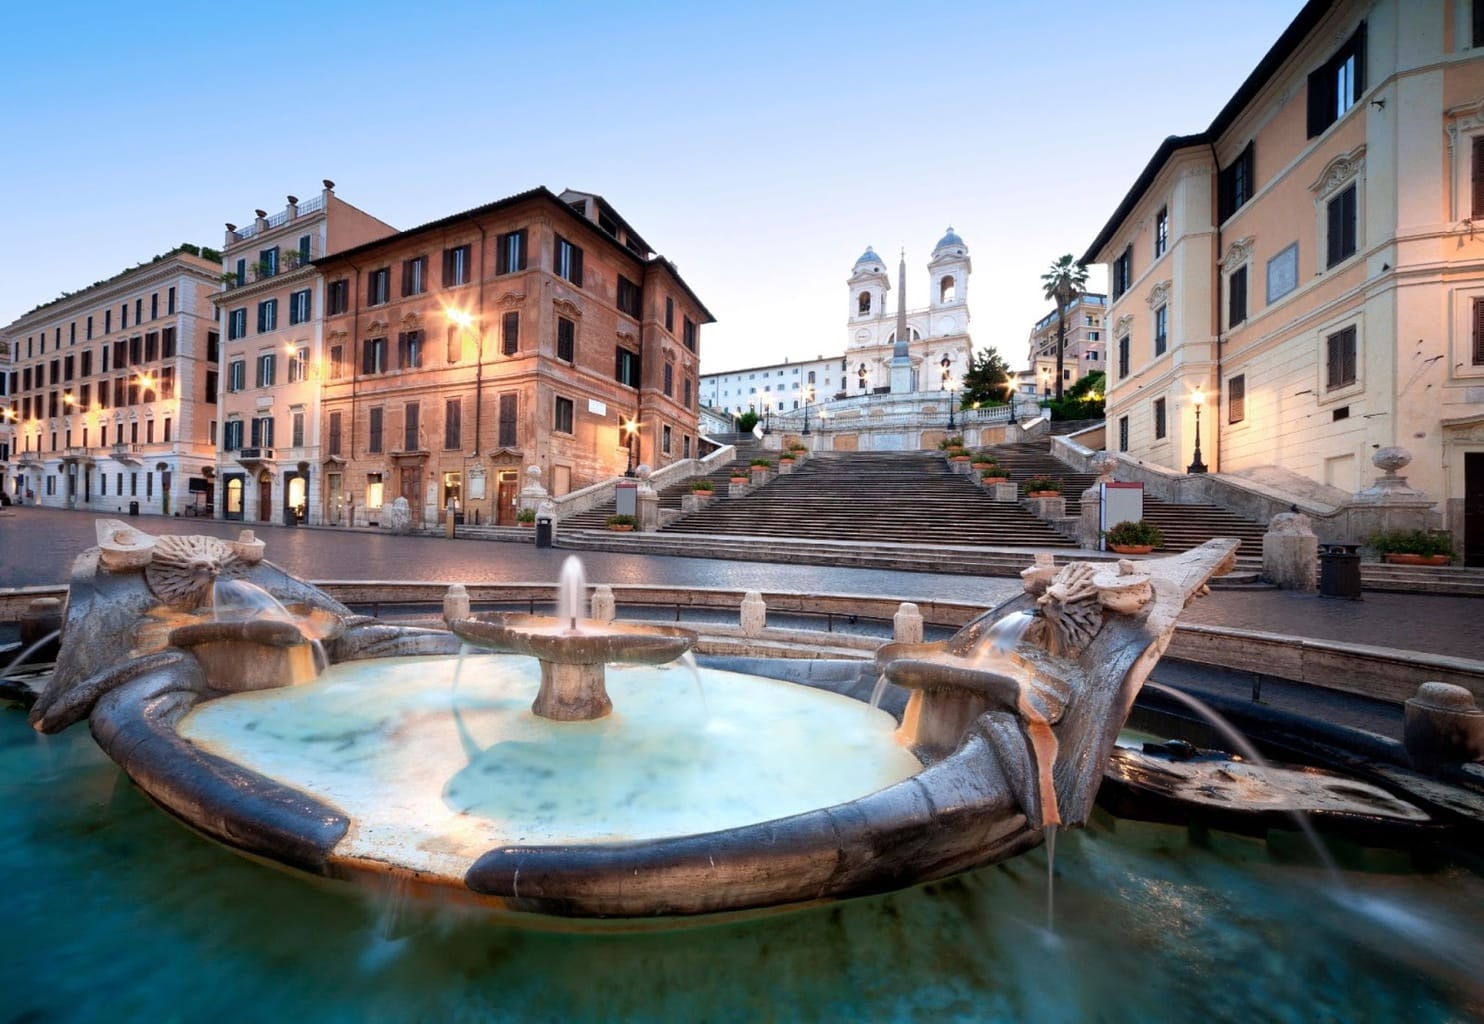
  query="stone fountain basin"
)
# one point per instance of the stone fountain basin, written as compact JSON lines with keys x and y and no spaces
{"x":593,"y":642}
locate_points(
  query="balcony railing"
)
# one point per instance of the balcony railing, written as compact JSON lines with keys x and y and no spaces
{"x":255,"y":454}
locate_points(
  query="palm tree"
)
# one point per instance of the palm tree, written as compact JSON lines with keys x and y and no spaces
{"x":1066,"y":280}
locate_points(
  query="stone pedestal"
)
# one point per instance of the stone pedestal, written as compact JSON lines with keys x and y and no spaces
{"x":907,"y":624}
{"x":1443,"y":727}
{"x":604,"y":609}
{"x":785,"y":466}
{"x":1290,"y":553}
{"x":754,"y":614}
{"x":647,"y":510}
{"x":1007,"y":491}
{"x":1089,"y":532}
{"x":455,"y":603}
{"x":532,"y":494}
{"x":737,"y":490}
{"x":1048,"y":508}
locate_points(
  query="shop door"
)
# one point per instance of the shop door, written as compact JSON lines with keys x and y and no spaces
{"x":334,"y":498}
{"x":505,"y":498}
{"x":412,"y":490}
{"x":1473,"y":508}
{"x":265,"y":499}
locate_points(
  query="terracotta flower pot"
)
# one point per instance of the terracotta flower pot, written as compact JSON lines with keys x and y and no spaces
{"x":1132,"y":549}
{"x":1043,"y":494}
{"x":626,"y":528}
{"x":986,"y":480}
{"x":526,"y":522}
{"x":1406,"y":558}
{"x":739,"y":479}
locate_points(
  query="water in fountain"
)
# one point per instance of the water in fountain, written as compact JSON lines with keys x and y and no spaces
{"x":1244,"y":747}
{"x":245,"y":601}
{"x":688,"y":660}
{"x":879,"y":690}
{"x":20,"y":659}
{"x":571,"y":592}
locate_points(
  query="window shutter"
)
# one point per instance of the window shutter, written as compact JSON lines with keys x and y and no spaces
{"x":1333,"y":239}
{"x":257,"y":433}
{"x":521,"y":255}
{"x":371,"y":288}
{"x":447,"y":267}
{"x":1357,"y":47}
{"x":1348,"y":336}
{"x":577,"y":266}
{"x":366,"y":356}
{"x":1318,"y":107}
{"x":1478,"y":176}
{"x":1479,"y":332}
{"x":402,"y":350}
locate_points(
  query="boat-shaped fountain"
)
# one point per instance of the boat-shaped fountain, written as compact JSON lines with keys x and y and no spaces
{"x":344,"y":747}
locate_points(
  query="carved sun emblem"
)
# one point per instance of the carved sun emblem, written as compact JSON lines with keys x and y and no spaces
{"x":183,"y":570}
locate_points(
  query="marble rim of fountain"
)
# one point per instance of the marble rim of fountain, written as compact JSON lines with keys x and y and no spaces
{"x":593,"y":642}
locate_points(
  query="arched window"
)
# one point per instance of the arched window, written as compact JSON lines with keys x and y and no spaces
{"x":946,"y":290}
{"x":865,"y":303}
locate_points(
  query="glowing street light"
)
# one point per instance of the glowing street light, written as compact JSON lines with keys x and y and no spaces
{"x":806,"y":392}
{"x":1197,"y":466}
{"x":630,"y":428}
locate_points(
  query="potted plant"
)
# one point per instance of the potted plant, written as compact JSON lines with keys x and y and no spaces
{"x":1134,"y":537}
{"x":526,"y":517}
{"x":1042,"y":487}
{"x":620,"y":523}
{"x":798,"y":449}
{"x":739,"y":477}
{"x":761,"y":466}
{"x":993,"y":474}
{"x":1413,"y":547}
{"x":951,"y":442}
{"x":703,"y":487}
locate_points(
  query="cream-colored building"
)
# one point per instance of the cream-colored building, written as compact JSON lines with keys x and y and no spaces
{"x":1309,"y":265}
{"x":1084,"y":350}
{"x":272,"y":307}
{"x":112,"y":391}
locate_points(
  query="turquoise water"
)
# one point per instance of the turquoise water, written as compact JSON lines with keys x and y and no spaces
{"x":112,"y":911}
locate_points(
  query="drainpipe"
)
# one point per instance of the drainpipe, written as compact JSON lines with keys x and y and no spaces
{"x":1220,"y":379}
{"x":355,"y":366}
{"x":479,"y":347}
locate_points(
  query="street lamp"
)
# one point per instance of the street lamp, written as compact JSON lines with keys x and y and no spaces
{"x":806,"y":392}
{"x":630,"y":427}
{"x":767,"y":415}
{"x":1197,"y":466}
{"x":947,"y":365}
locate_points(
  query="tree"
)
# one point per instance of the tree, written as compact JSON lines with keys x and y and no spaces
{"x":1083,"y":400}
{"x":987,"y":380}
{"x":746,"y":421}
{"x":1066,"y":280}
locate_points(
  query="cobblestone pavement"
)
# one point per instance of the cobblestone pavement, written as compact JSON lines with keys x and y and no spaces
{"x":37,"y":545}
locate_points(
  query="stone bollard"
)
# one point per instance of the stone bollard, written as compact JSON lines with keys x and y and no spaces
{"x":1290,"y":553}
{"x":1006,"y":491}
{"x":1048,"y":508}
{"x":455,"y":603}
{"x":1443,"y":727}
{"x":603,"y":607}
{"x":754,"y":614}
{"x":42,"y":620}
{"x":737,"y":489}
{"x":906,"y":624}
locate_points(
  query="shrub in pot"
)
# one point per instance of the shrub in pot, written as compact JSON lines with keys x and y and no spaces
{"x":1413,"y":547}
{"x":1134,"y":537}
{"x":702,"y":486}
{"x":620,"y":522}
{"x":1042,"y":486}
{"x":526,"y":517}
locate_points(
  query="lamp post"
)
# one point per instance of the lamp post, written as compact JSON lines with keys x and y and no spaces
{"x":1197,"y":466}
{"x":767,"y":415}
{"x":629,"y":429}
{"x":947,"y":365}
{"x":807,"y":394}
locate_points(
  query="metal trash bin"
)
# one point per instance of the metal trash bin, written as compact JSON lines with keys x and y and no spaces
{"x":133,"y":508}
{"x":1339,"y":571}
{"x":543,"y":531}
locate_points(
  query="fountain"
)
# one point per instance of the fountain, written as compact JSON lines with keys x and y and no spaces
{"x":364,"y":760}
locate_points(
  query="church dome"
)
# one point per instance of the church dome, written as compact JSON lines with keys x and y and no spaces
{"x":950,"y":243}
{"x":869,"y":262}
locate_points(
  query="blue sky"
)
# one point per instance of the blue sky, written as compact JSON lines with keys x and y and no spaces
{"x":761,"y":146}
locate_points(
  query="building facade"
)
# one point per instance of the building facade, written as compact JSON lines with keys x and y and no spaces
{"x":538,"y":330}
{"x":271,"y":309}
{"x":111,"y":391}
{"x":1307,"y":270}
{"x":776,"y":388}
{"x":1083,"y":352}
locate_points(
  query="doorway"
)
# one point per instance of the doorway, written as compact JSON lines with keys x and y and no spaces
{"x":232,"y":499}
{"x":453,"y":495}
{"x":412,"y":488}
{"x":1473,"y":508}
{"x":265,"y":498}
{"x":295,"y":490}
{"x":334,"y":497}
{"x":508,"y":489}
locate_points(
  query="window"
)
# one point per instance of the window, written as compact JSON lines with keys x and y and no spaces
{"x":299,"y":307}
{"x":1234,"y":184}
{"x":409,"y":350}
{"x":237,"y":324}
{"x":510,"y":333}
{"x":107,"y":328}
{"x":167,"y":345}
{"x":87,"y":365}
{"x":669,"y":380}
{"x":337,"y":298}
{"x":374,"y":420}
{"x":454,"y":343}
{"x":626,"y":368}
{"x":1161,"y":231}
{"x":947,"y":289}
{"x":1161,"y":330}
{"x":1123,"y":433}
{"x":1341,"y":218}
{"x":568,"y":261}
{"x":378,"y":286}
{"x":665,"y":439}
{"x":299,"y":364}
{"x":510,"y":249}
{"x":296,"y":430}
{"x":1159,"y":418}
{"x":1478,"y":345}
{"x":1123,"y":272}
{"x":1236,"y":297}
{"x":669,"y":314}
{"x":232,"y":435}
{"x":167,"y":382}
{"x":136,"y":353}
{"x":268,"y":262}
{"x":508,"y":427}
{"x":169,"y":301}
{"x":335,"y":432}
{"x":304,"y":243}
{"x":628,"y":297}
{"x":414,"y":276}
{"x":212,"y":386}
{"x":1339,"y":366}
{"x":373,"y":355}
{"x":337,"y":362}
{"x":566,"y":338}
{"x":412,"y":427}
{"x":1236,"y":399}
{"x":237,"y":375}
{"x":1337,"y":83}
{"x":1476,"y":183}
{"x":1123,"y":356}
{"x":267,"y":316}
{"x":267,"y":369}
{"x":687,"y":390}
{"x":562,"y":421}
{"x":689,"y":334}
{"x":453,"y":423}
{"x":89,"y":334}
{"x":456,"y":268}
{"x":262,"y":432}
{"x":241,"y":272}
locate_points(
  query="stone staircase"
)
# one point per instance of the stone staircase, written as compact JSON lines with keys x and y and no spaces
{"x":748,"y":448}
{"x":910,"y":498}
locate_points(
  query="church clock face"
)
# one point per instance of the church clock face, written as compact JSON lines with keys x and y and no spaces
{"x":862,"y":336}
{"x":947,"y":325}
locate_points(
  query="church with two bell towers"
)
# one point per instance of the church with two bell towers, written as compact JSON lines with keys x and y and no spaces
{"x":899,"y":350}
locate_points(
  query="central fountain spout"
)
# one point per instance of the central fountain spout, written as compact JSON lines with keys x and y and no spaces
{"x":573,"y":651}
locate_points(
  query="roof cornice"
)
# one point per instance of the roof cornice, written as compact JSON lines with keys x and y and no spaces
{"x":125,"y":283}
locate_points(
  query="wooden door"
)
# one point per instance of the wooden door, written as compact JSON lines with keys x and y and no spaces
{"x":412,"y":490}
{"x":505,"y":496}
{"x":265,"y":499}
